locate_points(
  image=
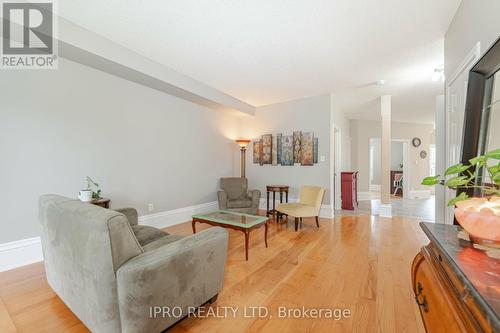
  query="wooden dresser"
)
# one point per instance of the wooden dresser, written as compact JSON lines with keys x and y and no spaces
{"x":349,"y":189}
{"x":456,"y":286}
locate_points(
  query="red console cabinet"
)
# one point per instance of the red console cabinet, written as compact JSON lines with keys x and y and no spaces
{"x":349,"y":191}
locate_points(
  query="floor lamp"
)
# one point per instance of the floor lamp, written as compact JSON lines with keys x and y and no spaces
{"x":243,"y":143}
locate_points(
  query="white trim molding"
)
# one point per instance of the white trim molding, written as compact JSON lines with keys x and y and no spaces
{"x":385,"y":210}
{"x":20,"y":253}
{"x":420,"y":194}
{"x":28,"y":251}
{"x":175,"y":216}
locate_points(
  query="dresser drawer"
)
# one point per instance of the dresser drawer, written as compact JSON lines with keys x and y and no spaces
{"x":436,"y":305}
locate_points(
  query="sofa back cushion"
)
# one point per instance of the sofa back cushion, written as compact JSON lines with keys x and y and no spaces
{"x":235,"y":187}
{"x":83,"y":246}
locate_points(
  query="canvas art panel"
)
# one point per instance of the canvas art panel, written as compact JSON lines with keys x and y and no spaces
{"x":266,"y":149}
{"x":256,"y":151}
{"x":287,"y":150}
{"x":279,"y":138}
{"x":296,"y":146}
{"x":274,"y":150}
{"x":316,"y":152}
{"x":307,"y":148}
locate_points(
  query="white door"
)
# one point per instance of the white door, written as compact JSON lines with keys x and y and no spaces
{"x":456,"y":93}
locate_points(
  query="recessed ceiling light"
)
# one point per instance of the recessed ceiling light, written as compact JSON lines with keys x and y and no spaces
{"x":381,"y":82}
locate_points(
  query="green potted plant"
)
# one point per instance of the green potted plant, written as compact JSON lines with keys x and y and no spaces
{"x":479,"y":216}
{"x":94,"y":187}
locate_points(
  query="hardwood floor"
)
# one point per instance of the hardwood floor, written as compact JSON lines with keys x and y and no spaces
{"x":361,"y":263}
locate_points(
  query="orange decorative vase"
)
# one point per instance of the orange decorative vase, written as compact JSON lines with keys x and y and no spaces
{"x":480,"y":217}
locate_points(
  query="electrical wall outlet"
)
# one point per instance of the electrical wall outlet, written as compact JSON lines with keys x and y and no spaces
{"x":322,"y":158}
{"x":151,"y":207}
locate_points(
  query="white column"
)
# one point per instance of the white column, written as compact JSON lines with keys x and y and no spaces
{"x":385,"y":158}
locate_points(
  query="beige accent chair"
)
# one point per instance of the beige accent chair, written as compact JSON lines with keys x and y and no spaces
{"x":234,"y":195}
{"x":309,"y":204}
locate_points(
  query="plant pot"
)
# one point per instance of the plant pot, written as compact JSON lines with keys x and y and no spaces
{"x":480,"y":217}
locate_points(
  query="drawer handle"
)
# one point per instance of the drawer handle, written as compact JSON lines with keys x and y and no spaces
{"x":424,"y":304}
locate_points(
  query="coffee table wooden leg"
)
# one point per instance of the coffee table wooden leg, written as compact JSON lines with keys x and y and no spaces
{"x":247,"y":234}
{"x":265,"y":234}
{"x":194,"y":228}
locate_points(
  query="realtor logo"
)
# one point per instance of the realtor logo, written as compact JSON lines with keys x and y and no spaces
{"x":28,"y":30}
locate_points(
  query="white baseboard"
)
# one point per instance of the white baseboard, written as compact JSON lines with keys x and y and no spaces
{"x":27,"y":251}
{"x":175,"y":216}
{"x":363,"y":196}
{"x":420,"y":194}
{"x":385,"y":210}
{"x":325,"y":211}
{"x":375,"y":188}
{"x":20,"y":253}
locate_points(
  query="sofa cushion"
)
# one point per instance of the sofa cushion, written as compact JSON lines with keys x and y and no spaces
{"x":297,"y":209}
{"x":162,"y":241}
{"x":146,"y":234}
{"x":239,"y":203}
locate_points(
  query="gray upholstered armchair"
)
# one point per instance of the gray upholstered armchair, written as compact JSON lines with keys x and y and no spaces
{"x":112,"y":272}
{"x":234,"y":195}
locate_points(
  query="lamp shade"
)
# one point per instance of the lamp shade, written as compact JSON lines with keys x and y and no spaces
{"x":242,"y":142}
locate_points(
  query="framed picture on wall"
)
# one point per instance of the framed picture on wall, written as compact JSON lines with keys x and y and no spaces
{"x":256,"y":151}
{"x":296,"y":146}
{"x":307,"y":148}
{"x":266,"y":149}
{"x":316,"y":152}
{"x":274,"y":150}
{"x":279,"y":148}
{"x":287,"y":150}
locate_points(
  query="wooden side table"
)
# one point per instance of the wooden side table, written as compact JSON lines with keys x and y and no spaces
{"x":276,"y":188}
{"x":103,"y":202}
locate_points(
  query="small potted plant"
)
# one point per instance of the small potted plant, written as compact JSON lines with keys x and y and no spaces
{"x":94,"y":187}
{"x":479,"y":216}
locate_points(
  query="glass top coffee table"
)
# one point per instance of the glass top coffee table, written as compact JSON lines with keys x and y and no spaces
{"x":233,"y":220}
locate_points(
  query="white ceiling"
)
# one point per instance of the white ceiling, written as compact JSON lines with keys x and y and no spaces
{"x":268,"y":51}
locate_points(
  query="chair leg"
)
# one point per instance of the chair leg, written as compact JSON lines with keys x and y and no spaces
{"x":296,"y":223}
{"x":317,"y":221}
{"x":300,"y":219}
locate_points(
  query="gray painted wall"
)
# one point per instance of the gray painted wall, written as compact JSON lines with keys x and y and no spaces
{"x":308,"y":114}
{"x":141,"y":145}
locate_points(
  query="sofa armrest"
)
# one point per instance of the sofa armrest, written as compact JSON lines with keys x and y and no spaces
{"x":255,"y":196}
{"x":130,"y":213}
{"x":222,"y":198}
{"x":185,"y":273}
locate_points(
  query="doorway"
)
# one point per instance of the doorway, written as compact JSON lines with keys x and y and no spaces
{"x":400,"y":168}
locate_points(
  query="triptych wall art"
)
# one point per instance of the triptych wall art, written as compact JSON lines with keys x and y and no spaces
{"x":279,"y":149}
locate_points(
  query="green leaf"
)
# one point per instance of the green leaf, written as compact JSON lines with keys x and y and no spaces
{"x":496,"y":177}
{"x":457,"y":168}
{"x":478,"y":160}
{"x":462,"y":196}
{"x":495,"y":154}
{"x":457,"y":181}
{"x":494,"y":169}
{"x":429,"y":181}
{"x":489,"y":191}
